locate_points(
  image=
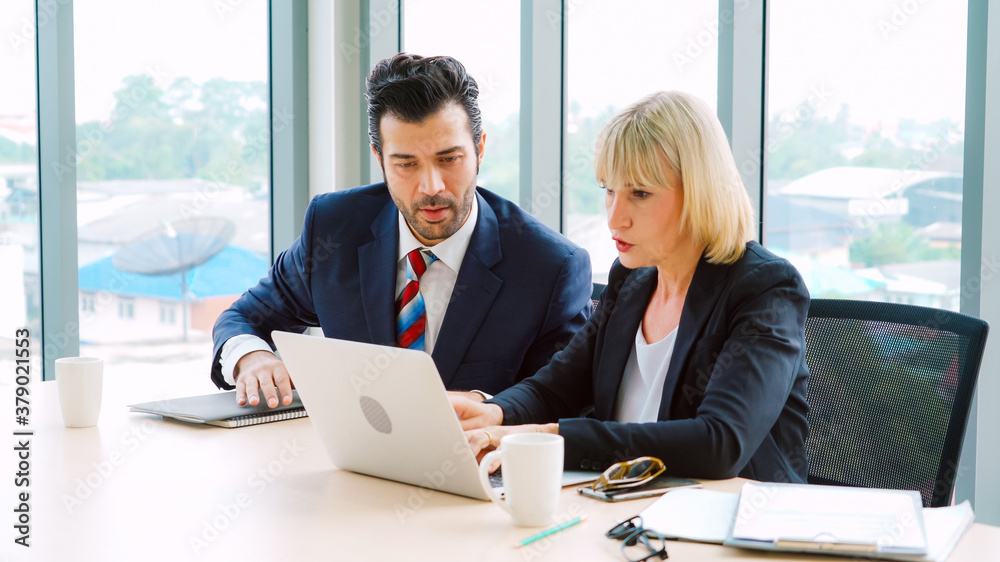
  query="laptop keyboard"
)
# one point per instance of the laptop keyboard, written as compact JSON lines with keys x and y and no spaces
{"x":496,"y":479}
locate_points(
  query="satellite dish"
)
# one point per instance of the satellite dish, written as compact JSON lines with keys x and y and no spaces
{"x":176,"y":247}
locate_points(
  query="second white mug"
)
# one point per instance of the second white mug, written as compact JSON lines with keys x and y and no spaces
{"x":532,"y":476}
{"x":80,"y":381}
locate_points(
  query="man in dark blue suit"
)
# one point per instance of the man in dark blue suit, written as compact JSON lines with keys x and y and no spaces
{"x":425,"y":260}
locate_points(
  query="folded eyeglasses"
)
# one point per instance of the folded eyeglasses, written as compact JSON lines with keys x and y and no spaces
{"x":629,"y":474}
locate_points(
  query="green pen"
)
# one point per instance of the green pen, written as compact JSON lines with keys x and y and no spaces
{"x":550,"y":531}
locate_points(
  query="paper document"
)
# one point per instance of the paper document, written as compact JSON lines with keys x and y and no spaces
{"x":831,"y":519}
{"x":709,"y":516}
{"x":692,"y":515}
{"x":945,"y":527}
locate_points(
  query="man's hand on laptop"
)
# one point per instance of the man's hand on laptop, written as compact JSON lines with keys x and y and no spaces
{"x":262,"y":373}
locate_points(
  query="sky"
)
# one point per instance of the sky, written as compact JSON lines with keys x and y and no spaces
{"x":491,"y":53}
{"x":200,"y":39}
{"x":888,"y":59}
{"x":601,"y":68}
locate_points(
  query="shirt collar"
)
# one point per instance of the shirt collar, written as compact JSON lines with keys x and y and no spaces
{"x":451,"y":250}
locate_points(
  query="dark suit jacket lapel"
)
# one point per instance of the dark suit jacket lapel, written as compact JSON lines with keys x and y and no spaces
{"x":699,"y":303}
{"x":377,"y":264}
{"x":619,"y":338}
{"x":475,"y":290}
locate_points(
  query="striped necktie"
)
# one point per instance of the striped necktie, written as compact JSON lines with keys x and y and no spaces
{"x":411,"y":317}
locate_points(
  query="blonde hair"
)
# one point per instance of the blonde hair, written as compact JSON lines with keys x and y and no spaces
{"x":681,"y":130}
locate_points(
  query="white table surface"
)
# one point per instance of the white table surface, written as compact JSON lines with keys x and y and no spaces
{"x":140,"y":488}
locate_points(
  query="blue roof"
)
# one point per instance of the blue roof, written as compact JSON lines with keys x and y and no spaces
{"x":785,"y":214}
{"x":230,"y":272}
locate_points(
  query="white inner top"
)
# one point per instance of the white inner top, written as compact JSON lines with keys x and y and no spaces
{"x":642,"y":385}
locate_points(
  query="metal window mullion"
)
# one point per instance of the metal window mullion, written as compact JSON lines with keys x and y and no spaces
{"x":380,"y":37}
{"x":742,"y":96}
{"x":288,"y":74}
{"x":541,"y":126}
{"x":980,"y":282}
{"x":324,"y":162}
{"x":57,"y":184}
{"x":347,"y":143}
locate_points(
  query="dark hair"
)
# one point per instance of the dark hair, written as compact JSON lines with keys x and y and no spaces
{"x":411,"y":88}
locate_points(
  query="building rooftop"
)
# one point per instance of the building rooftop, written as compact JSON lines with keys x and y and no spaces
{"x":785,"y":215}
{"x":114,"y":213}
{"x":942,"y":232}
{"x":847,"y":182}
{"x":230,"y":272}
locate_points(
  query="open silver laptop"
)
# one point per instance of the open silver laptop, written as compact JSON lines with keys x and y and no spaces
{"x":383,"y":411}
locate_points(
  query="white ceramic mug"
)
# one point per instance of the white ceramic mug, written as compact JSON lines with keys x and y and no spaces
{"x":80,"y":382}
{"x":532,"y":476}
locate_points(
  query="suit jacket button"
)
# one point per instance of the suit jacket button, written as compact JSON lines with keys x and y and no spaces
{"x":585,"y":464}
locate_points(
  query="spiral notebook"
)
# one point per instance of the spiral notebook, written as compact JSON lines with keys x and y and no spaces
{"x":221,"y":409}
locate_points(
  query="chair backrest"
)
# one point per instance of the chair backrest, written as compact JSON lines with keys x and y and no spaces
{"x":595,"y":296}
{"x":889,"y":392}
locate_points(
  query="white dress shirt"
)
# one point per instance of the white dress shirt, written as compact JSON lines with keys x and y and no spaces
{"x":436,"y":286}
{"x":642,"y":384}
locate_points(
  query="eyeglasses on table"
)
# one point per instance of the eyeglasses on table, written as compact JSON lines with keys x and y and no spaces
{"x":638,"y":543}
{"x":629,"y":474}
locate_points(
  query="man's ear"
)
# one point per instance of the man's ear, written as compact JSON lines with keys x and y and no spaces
{"x":377,"y":155}
{"x":482,"y":147}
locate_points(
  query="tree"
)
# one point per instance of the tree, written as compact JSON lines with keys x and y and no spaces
{"x":800,"y":142}
{"x":896,"y":243}
{"x":16,"y":153}
{"x":887,"y":244}
{"x":217,"y":130}
{"x":584,"y":196}
{"x":881,"y":152}
{"x":500,"y":172}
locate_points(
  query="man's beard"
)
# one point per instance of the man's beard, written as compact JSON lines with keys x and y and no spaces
{"x":438,"y":231}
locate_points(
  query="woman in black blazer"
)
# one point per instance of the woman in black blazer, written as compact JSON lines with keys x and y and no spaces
{"x":696,"y":354}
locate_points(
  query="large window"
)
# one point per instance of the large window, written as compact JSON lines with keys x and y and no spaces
{"x":865,"y":142}
{"x":20,"y":283}
{"x":485,"y":37}
{"x":172,"y":170}
{"x":615,"y":56}
{"x":865,"y":150}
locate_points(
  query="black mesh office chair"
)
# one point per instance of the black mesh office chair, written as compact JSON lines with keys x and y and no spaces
{"x":889,"y":394}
